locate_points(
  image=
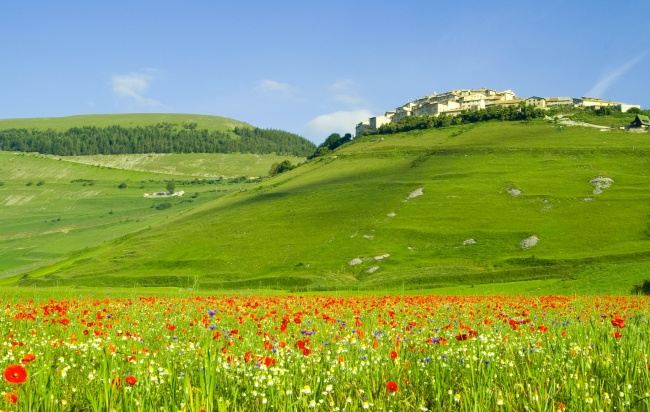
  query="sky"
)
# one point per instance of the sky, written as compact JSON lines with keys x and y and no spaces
{"x":311,"y":67}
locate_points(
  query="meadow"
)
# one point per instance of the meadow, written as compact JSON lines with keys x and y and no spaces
{"x":219,"y":123}
{"x":54,"y":206}
{"x":347,"y":222}
{"x":191,"y":353}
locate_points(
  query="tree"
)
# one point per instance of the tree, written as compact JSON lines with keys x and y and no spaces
{"x":642,"y":289}
{"x":277,"y":168}
{"x":171,"y":186}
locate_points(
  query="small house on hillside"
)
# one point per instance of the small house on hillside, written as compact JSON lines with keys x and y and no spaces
{"x":640,"y":121}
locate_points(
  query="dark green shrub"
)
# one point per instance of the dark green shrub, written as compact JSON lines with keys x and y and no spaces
{"x":642,"y":289}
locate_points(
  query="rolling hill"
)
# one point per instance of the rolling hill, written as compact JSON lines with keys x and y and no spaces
{"x":54,"y":205}
{"x":217,"y":123}
{"x":441,"y":208}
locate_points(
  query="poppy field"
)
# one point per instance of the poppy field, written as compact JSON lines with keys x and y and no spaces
{"x":327,"y":353}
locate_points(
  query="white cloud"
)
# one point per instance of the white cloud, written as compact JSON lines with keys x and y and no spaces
{"x":134,"y":85}
{"x":338,"y":122}
{"x":275,"y":88}
{"x":344,"y":91}
{"x":604,"y":82}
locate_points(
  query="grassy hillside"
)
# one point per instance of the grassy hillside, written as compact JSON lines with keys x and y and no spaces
{"x":126,"y":120}
{"x":495,"y":183}
{"x":53,"y":206}
{"x":204,"y":165}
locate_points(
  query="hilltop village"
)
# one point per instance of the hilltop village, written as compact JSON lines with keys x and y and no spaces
{"x":456,"y":101}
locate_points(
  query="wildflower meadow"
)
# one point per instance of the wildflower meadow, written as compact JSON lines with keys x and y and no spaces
{"x":325,"y":353}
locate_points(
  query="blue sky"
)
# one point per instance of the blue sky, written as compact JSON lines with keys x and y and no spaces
{"x":311,"y":67}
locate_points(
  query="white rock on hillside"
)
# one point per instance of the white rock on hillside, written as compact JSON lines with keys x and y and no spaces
{"x":514,"y":192}
{"x":416,"y":193}
{"x":355,"y":261}
{"x":380,"y":257}
{"x":471,"y":241}
{"x":373,"y":269}
{"x":599,"y":183}
{"x":529,"y":242}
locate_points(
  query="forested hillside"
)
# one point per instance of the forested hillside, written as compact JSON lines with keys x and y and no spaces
{"x":157,"y":138}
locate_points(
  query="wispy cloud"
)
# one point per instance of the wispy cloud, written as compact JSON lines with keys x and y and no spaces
{"x":278,"y":89}
{"x":606,"y":81}
{"x":345,"y":91}
{"x":133,"y":87}
{"x":338,"y":122}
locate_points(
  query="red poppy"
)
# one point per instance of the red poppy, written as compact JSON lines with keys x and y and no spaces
{"x":617,"y":334}
{"x":11,"y":397}
{"x":393,"y":354}
{"x":269,"y":361}
{"x":618,"y":322}
{"x":131,"y":380}
{"x":15,"y":374}
{"x":461,"y":336}
{"x":306,"y":351}
{"x":28,"y":357}
{"x":392,"y":387}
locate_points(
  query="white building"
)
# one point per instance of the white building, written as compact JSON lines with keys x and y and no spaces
{"x":373,"y":123}
{"x":559,"y":102}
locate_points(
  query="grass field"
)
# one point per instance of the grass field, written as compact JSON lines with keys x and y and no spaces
{"x":302,"y":229}
{"x":126,"y":120}
{"x":193,"y":353}
{"x":55,"y":206}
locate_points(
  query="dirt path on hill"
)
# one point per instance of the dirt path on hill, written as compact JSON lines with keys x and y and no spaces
{"x":567,"y":122}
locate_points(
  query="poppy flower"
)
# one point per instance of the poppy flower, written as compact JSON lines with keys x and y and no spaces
{"x":393,"y":354}
{"x":28,"y":357}
{"x":11,"y":397}
{"x":618,"y":322}
{"x":15,"y":374}
{"x":131,"y":380}
{"x":392,"y":387}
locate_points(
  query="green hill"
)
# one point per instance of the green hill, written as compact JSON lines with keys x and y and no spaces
{"x":439,"y":208}
{"x":52,"y":206}
{"x":217,"y":123}
{"x":136,"y":134}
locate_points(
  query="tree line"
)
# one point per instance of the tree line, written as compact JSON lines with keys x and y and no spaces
{"x":521,"y":112}
{"x":157,"y":138}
